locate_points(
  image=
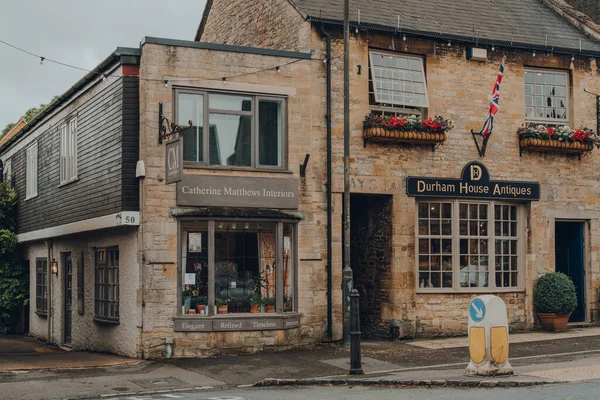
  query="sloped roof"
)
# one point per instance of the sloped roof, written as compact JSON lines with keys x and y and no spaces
{"x":513,"y":23}
{"x":13,"y":131}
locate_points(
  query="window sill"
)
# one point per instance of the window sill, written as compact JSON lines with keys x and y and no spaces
{"x":106,"y":321}
{"x":194,"y":165}
{"x":31,"y":197}
{"x":237,"y":322}
{"x":470,"y":290}
{"x":68,"y":182}
{"x":41,"y":314}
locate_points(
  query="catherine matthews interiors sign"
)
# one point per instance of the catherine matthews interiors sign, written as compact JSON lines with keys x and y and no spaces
{"x":474,"y":183}
{"x":237,"y":191}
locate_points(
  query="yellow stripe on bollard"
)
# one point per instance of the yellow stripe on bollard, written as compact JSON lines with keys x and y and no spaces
{"x":477,"y":344}
{"x":499,"y":344}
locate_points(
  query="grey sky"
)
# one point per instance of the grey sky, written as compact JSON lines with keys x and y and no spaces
{"x":78,"y":32}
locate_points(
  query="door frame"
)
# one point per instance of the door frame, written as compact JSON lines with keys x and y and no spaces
{"x":586,"y":262}
{"x":67,"y":256}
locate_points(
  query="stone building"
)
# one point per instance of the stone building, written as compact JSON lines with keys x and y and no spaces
{"x":153,"y":230}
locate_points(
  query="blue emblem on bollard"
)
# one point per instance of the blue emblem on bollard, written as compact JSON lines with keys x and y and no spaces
{"x":477,"y":310}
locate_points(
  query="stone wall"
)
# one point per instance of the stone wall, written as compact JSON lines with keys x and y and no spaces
{"x":197,"y":68}
{"x":271,"y":24}
{"x":567,"y":192}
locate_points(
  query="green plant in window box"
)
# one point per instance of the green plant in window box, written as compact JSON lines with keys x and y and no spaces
{"x":269,"y":303}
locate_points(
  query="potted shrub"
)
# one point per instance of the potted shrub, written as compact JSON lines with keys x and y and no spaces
{"x":563,"y":139}
{"x":222,"y":306}
{"x":255,"y":303}
{"x":554,"y":299}
{"x":187,"y":299}
{"x":269,"y":303}
{"x":201,"y":303}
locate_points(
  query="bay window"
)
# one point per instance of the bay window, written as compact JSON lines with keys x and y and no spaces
{"x":246,"y":131}
{"x":235,"y":267}
{"x":468,"y":246}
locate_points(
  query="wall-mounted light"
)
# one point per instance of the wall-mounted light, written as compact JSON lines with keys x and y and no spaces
{"x":54,"y":266}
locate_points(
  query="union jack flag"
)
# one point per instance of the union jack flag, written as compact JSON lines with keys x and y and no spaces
{"x":489,"y":122}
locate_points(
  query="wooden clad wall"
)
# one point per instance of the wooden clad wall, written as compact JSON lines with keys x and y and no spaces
{"x":107,"y":150}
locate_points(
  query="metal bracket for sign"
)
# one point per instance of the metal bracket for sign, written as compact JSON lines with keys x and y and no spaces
{"x":167,"y":129}
{"x":303,"y":166}
{"x":480,"y":149}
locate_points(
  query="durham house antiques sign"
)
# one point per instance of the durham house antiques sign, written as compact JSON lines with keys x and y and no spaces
{"x":474,"y":183}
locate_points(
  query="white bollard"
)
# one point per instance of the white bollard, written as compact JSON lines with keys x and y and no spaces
{"x":488,"y":337}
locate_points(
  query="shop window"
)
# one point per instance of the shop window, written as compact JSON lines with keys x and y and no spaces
{"x":546,"y":96}
{"x":453,"y":243}
{"x":41,"y":285}
{"x":245,"y":258}
{"x":68,"y":152}
{"x":243,"y":130}
{"x":106,"y":299}
{"x":397,"y":83}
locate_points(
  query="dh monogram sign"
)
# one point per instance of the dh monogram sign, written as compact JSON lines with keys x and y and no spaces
{"x":474,"y":183}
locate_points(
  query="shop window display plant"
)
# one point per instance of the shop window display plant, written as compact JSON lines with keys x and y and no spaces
{"x":201,"y":304}
{"x":269,"y":303}
{"x":405,"y":129}
{"x":554,"y":299}
{"x":563,"y":139}
{"x":222,"y":305}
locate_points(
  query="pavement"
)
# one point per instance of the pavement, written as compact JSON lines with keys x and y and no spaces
{"x":30,"y":369}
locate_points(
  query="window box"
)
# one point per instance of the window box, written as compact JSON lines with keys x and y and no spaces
{"x":412,"y":129}
{"x":561,"y":139}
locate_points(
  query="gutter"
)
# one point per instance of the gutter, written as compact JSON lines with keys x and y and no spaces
{"x":465,"y":39}
{"x":329,"y":187}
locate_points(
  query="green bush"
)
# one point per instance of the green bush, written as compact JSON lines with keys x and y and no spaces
{"x":555,"y":293}
{"x":14,"y":275}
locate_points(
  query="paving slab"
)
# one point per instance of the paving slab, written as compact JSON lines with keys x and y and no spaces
{"x":457,"y":342}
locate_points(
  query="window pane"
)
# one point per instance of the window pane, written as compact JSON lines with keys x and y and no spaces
{"x":229,"y":102}
{"x":270,"y":128}
{"x":435,"y":253}
{"x":195,"y":274}
{"x":288,"y":269}
{"x":245,"y":270}
{"x":230,"y":140}
{"x":191,"y":110}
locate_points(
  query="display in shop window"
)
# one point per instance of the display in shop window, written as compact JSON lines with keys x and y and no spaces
{"x":195,"y":242}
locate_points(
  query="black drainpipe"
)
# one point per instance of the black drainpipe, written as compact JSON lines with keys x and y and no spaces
{"x":329,"y":230}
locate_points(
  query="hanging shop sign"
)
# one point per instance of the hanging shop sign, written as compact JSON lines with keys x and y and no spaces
{"x":174,"y":161}
{"x":237,"y":191}
{"x":474,"y":183}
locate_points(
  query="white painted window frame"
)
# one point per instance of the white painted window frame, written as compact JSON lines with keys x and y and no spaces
{"x":491,"y":288}
{"x":399,"y":103}
{"x":549,"y":121}
{"x":68,"y":152}
{"x":7,"y":170}
{"x":31,"y":179}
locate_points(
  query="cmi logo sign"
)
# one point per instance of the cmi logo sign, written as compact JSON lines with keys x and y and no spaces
{"x":174,"y":161}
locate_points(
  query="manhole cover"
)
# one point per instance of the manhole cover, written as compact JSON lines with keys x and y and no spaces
{"x":158,"y":382}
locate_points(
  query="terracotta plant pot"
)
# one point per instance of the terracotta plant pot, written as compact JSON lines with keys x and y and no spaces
{"x":200,"y":308}
{"x":223,"y":310}
{"x":380,"y":134}
{"x":554,"y":322}
{"x":254,"y":308}
{"x":270,"y":308}
{"x":191,"y":311}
